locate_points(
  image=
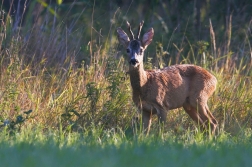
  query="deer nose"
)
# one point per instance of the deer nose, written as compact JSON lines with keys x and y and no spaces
{"x":133,"y":61}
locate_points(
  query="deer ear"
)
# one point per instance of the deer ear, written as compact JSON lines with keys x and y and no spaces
{"x":147,"y":38}
{"x":123,"y":37}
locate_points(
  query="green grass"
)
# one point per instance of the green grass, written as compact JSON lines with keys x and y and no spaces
{"x":110,"y":149}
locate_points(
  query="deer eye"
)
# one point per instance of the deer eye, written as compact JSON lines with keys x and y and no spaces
{"x":128,"y":50}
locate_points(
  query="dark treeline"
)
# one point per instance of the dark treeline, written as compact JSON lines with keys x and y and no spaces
{"x":182,"y":27}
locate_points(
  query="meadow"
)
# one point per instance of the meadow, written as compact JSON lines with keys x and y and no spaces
{"x":65,"y":96}
{"x":35,"y":148}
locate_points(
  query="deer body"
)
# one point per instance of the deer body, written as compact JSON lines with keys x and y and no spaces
{"x":158,"y":91}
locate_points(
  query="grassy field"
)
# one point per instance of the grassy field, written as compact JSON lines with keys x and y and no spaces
{"x":65,"y":96}
{"x":34,"y":148}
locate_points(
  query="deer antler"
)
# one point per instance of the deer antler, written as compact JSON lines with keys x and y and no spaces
{"x":139,"y":29}
{"x":131,"y":33}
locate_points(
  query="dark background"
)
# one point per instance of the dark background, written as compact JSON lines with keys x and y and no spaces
{"x":182,"y":27}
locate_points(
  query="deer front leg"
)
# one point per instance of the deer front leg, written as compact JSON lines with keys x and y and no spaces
{"x":161,"y":119}
{"x":146,"y":119}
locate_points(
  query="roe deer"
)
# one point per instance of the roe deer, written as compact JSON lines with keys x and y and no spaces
{"x":157,"y":91}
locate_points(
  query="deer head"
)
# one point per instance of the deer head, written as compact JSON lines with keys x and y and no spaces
{"x":134,"y":46}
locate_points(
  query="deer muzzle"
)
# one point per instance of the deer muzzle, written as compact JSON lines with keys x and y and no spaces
{"x":133,"y":61}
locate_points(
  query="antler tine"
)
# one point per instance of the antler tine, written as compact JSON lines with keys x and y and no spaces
{"x":131,"y":33}
{"x":139,"y":29}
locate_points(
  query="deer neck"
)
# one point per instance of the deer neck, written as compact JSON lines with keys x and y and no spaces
{"x":138,"y":77}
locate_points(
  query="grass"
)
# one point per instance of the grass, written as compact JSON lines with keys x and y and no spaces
{"x":61,"y":111}
{"x":110,"y":149}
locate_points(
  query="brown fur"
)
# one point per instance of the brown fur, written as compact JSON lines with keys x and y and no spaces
{"x":158,"y":91}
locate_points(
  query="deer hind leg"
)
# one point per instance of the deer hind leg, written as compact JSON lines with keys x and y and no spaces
{"x":207,"y":119}
{"x":213,"y":121}
{"x":192,"y":112}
